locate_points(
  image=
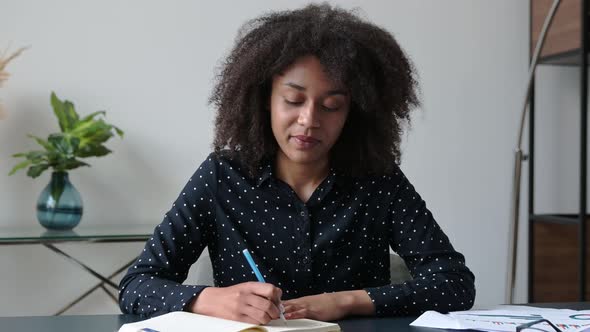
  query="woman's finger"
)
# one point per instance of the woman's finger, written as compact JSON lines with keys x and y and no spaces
{"x":261,"y":317}
{"x":292,"y":307}
{"x":247,"y":319}
{"x":301,"y":313}
{"x":264,"y":305}
{"x":265,"y":290}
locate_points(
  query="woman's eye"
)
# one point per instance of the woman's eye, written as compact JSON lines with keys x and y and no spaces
{"x":330,"y":109}
{"x":293,"y":102}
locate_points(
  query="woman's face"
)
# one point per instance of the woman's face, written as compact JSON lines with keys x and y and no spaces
{"x":308,"y":111}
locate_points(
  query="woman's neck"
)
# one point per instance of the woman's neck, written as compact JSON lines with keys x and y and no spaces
{"x":302,"y":178}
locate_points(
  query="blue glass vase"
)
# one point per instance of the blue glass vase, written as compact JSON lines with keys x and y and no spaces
{"x":59,"y":206}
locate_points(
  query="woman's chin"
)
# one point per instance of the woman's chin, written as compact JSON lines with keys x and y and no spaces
{"x":306,"y":157}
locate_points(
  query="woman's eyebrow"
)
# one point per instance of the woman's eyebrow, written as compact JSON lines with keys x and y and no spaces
{"x":295,"y":86}
{"x":302,"y":88}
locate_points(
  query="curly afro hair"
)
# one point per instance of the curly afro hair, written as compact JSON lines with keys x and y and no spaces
{"x":365,"y":58}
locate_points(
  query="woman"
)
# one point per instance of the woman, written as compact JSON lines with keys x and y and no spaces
{"x":311,"y":107}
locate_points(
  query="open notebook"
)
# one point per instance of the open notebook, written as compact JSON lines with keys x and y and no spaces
{"x":180,"y":321}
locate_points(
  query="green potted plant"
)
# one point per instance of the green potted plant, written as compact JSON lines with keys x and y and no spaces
{"x":59,"y":205}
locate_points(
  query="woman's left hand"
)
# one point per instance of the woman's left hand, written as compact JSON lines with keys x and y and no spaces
{"x":329,"y":306}
{"x":324,"y":306}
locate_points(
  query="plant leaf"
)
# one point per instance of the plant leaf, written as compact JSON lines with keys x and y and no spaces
{"x":74,"y":163}
{"x":119,"y":131}
{"x":92,"y":115}
{"x":19,"y":166}
{"x":83,"y":125}
{"x":98,"y":133}
{"x":57,"y":188}
{"x":64,"y":144}
{"x":36,"y":156}
{"x":42,"y":142}
{"x":53,"y":158}
{"x":36,"y":170}
{"x":60,"y":113}
{"x":70,"y":114}
{"x":60,"y":143}
{"x":93,"y":151}
{"x":74,"y":142}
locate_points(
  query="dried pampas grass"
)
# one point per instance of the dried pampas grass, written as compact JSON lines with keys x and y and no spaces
{"x":4,"y":60}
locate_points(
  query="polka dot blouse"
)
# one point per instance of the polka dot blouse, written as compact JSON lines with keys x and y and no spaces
{"x":338,"y":240}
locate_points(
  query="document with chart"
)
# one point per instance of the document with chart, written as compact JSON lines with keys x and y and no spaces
{"x":506,"y":318}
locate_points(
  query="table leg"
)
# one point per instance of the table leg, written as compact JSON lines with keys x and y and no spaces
{"x":113,"y":297}
{"x":98,"y":285}
{"x":82,"y":265}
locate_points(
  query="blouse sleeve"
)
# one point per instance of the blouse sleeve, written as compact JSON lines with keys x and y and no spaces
{"x":441,"y":280}
{"x":153,"y":284}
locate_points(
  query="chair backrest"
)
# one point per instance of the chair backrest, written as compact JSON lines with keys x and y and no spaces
{"x":398,"y":269}
{"x":202,"y":273}
{"x":203,"y":270}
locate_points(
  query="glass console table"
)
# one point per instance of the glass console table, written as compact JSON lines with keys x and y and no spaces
{"x":18,"y":235}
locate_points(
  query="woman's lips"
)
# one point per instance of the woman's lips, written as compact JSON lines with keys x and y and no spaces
{"x":305,"y":142}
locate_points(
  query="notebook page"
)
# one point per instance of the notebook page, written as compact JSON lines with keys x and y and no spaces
{"x":301,"y":325}
{"x":180,"y":321}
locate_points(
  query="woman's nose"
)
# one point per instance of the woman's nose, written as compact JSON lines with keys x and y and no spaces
{"x":308,"y":116}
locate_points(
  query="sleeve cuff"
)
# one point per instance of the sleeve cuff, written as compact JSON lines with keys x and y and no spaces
{"x":382,"y":298}
{"x":193,"y":292}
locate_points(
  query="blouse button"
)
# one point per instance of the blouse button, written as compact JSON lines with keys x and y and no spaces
{"x":302,"y":213}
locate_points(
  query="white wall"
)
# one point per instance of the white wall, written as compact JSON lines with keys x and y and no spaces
{"x":150,"y":64}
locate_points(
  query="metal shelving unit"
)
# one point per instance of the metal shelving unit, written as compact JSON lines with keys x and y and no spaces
{"x":572,"y":57}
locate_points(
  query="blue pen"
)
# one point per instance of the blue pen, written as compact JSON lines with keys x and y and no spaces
{"x":261,"y":279}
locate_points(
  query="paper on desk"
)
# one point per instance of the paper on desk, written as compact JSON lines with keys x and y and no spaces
{"x":506,"y":318}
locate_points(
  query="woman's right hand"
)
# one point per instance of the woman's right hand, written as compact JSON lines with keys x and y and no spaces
{"x":250,"y":302}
